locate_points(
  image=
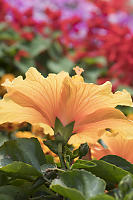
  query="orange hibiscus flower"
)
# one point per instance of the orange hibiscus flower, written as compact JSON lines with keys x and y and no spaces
{"x":40,"y":100}
{"x":117,"y":145}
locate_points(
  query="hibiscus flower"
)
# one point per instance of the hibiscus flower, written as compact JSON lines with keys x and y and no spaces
{"x":36,"y":99}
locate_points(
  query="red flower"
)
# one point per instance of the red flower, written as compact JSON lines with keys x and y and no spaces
{"x":21,"y":53}
{"x":27,"y":35}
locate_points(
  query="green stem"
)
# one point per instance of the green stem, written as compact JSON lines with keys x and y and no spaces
{"x":61,"y":157}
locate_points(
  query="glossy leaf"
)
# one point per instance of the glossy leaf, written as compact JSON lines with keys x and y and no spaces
{"x":78,"y":184}
{"x":22,"y":149}
{"x":52,"y":145}
{"x":109,"y":172}
{"x":119,"y":162}
{"x":19,"y":169}
{"x":83,"y":150}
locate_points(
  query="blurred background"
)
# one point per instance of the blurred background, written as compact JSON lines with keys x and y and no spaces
{"x":55,"y":35}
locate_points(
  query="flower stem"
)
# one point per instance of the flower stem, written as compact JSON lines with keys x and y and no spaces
{"x":61,"y":157}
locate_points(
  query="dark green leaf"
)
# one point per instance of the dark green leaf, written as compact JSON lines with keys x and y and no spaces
{"x":78,"y":184}
{"x":5,"y":197}
{"x":109,"y":172}
{"x":52,"y":145}
{"x":83,"y":150}
{"x":15,"y":192}
{"x":119,"y":162}
{"x":24,"y":150}
{"x":3,"y":179}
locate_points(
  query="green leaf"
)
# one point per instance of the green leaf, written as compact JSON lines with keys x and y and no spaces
{"x":22,"y":149}
{"x":63,"y":133}
{"x":55,"y":51}
{"x":109,"y":172}
{"x":99,"y":59}
{"x":64,"y":64}
{"x":119,"y":162}
{"x":102,"y":197}
{"x":5,"y":197}
{"x":3,"y":179}
{"x":126,"y":184}
{"x":19,"y":169}
{"x":14,"y":192}
{"x":37,"y":45}
{"x":78,"y":184}
{"x":129,"y":196}
{"x":52,"y":145}
{"x":83,"y":164}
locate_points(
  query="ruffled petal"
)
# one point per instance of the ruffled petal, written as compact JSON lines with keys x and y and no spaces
{"x":82,"y":99}
{"x":37,"y":92}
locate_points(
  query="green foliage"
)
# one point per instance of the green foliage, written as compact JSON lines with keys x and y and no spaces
{"x":78,"y":184}
{"x":24,"y":150}
{"x":83,"y":164}
{"x":26,"y":173}
{"x":109,"y":172}
{"x":119,"y":162}
{"x":102,"y":197}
